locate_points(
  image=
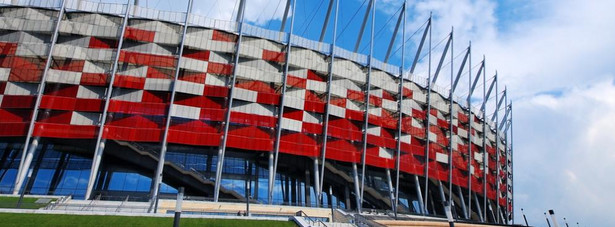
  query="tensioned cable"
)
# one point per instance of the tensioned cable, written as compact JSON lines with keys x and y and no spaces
{"x":312,"y":18}
{"x":455,"y":58}
{"x":211,"y":8}
{"x":260,"y":14}
{"x":234,"y":8}
{"x":379,"y":32}
{"x":433,"y":48}
{"x":273,"y":15}
{"x":413,"y":34}
{"x":351,"y":18}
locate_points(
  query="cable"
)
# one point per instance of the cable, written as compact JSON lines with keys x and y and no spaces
{"x":413,"y":34}
{"x":260,"y":14}
{"x":312,"y":19}
{"x":273,"y":15}
{"x":434,"y":47}
{"x":379,"y":32}
{"x":234,"y":8}
{"x":346,"y":26}
{"x":211,"y":8}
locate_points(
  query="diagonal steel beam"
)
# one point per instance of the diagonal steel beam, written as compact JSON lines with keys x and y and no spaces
{"x":163,"y":150}
{"x":276,"y":148}
{"x":28,"y":154}
{"x":399,"y":20}
{"x":480,"y":70}
{"x":326,"y":22}
{"x":367,"y":97}
{"x":448,"y":44}
{"x":227,"y":116}
{"x":460,"y":71}
{"x":362,"y":30}
{"x":419,"y":50}
{"x":327,"y":109}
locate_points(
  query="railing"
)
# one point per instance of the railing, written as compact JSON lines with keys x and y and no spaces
{"x":96,"y":7}
{"x":33,"y":3}
{"x":361,"y":221}
{"x":312,"y":220}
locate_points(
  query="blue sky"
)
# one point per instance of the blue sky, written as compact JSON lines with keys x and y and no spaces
{"x":556,"y":58}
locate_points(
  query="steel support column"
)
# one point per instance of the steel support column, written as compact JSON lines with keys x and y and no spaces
{"x":317,"y":183}
{"x":451,"y":203}
{"x":427,"y":124}
{"x":100,"y":141}
{"x":227,"y":117}
{"x":512,"y":172}
{"x":367,"y":96}
{"x":442,"y":196}
{"x":463,"y":204}
{"x":325,"y":130}
{"x":470,"y":120}
{"x":28,"y":154}
{"x":419,"y":195}
{"x":165,"y":136}
{"x":391,"y":192}
{"x":276,"y":146}
{"x":357,"y":190}
{"x":485,"y":154}
{"x":497,"y":158}
{"x":400,"y":98}
{"x":480,"y":216}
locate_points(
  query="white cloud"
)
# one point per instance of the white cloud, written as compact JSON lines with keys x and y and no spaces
{"x":563,"y":153}
{"x":257,"y":11}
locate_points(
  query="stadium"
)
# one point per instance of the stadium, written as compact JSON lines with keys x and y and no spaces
{"x":106,"y":101}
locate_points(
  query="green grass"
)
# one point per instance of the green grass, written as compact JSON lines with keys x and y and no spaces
{"x":13,"y":219}
{"x":27,"y":202}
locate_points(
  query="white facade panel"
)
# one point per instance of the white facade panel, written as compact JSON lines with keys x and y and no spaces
{"x":292,"y":125}
{"x":84,"y":118}
{"x":317,"y":86}
{"x":374,"y":130}
{"x":337,"y":111}
{"x":215,"y":80}
{"x":385,"y":153}
{"x":443,"y":158}
{"x":4,"y":74}
{"x":294,"y":102}
{"x":64,"y":77}
{"x":188,"y":87}
{"x":128,"y":95}
{"x":245,"y":94}
{"x":182,"y":111}
{"x":156,"y":84}
{"x":253,"y":108}
{"x":90,"y":92}
{"x":311,"y":117}
{"x":389,"y":105}
{"x":193,"y":64}
{"x":16,"y":88}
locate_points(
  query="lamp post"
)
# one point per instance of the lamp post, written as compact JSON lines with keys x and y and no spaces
{"x":546,"y":218}
{"x":178,"y":207}
{"x":248,"y":197}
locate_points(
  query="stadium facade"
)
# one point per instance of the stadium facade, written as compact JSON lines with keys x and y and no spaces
{"x":105,"y":101}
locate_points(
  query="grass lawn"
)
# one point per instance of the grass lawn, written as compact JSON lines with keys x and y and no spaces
{"x":12,"y":219}
{"x":27,"y":202}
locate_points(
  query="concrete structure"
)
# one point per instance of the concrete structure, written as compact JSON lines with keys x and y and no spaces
{"x":107,"y":101}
